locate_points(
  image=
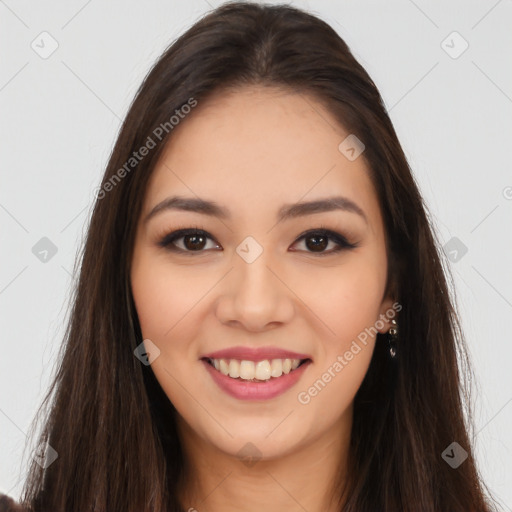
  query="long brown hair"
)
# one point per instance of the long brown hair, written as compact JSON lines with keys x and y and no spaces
{"x":106,"y":415}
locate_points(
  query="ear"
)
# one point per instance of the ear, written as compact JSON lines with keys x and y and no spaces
{"x":389,"y":309}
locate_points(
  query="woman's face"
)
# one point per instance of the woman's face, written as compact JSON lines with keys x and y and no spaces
{"x":250,"y":283}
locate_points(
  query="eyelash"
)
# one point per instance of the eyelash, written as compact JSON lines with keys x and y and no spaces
{"x":167,"y":241}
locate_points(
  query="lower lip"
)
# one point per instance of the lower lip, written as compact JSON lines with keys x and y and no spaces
{"x":247,"y":390}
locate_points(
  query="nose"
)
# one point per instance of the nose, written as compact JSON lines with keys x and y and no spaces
{"x":255,"y":296}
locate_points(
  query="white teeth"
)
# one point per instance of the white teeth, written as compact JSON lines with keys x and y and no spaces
{"x":263,"y":370}
{"x":276,"y":368}
{"x":260,"y":370}
{"x":224,"y":368}
{"x":234,"y":368}
{"x":247,"y":370}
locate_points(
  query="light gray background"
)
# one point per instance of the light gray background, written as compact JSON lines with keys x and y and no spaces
{"x":60,"y":117}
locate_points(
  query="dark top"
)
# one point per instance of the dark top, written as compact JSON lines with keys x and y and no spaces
{"x":7,"y":504}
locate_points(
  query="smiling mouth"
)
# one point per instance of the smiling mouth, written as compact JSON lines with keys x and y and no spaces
{"x":255,"y":371}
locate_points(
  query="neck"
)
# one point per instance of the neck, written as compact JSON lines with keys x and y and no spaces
{"x":304,"y":479}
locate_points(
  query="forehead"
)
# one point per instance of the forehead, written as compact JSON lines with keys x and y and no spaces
{"x":256,"y":146}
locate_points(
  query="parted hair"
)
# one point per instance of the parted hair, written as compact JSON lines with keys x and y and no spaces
{"x":105,"y":414}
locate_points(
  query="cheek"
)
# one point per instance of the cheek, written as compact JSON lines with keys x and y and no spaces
{"x":164,"y":295}
{"x":350,"y":310}
{"x":167,"y":302}
{"x":346,"y":299}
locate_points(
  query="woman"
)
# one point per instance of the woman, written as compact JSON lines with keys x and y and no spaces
{"x":262,"y":319}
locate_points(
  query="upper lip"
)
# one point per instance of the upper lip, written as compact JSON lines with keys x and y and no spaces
{"x":254,"y":354}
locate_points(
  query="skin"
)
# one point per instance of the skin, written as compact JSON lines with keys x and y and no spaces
{"x":252,"y":150}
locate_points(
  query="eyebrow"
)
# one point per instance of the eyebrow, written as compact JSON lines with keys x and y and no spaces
{"x":287,"y":211}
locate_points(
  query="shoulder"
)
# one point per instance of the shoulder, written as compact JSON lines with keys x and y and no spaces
{"x":7,"y":504}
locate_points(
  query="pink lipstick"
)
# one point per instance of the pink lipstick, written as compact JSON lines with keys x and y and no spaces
{"x":255,"y":373}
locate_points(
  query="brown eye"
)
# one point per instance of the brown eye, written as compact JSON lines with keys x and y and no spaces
{"x":187,"y":240}
{"x":194,"y":242}
{"x":318,"y":240}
